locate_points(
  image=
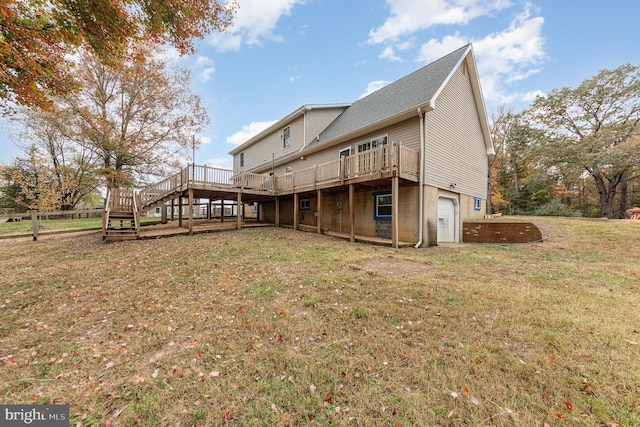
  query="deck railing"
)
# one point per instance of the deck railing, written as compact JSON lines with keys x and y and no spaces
{"x":384,"y":159}
{"x":121,"y":200}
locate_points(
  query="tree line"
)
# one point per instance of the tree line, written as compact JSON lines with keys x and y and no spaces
{"x":99,"y":107}
{"x":573,"y":152}
{"x":98,"y":104}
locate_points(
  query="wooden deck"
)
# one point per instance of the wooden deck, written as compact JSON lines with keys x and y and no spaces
{"x":391,"y":162}
{"x":382,"y":162}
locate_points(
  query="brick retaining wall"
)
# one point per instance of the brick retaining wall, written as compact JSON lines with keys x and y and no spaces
{"x":500,"y":232}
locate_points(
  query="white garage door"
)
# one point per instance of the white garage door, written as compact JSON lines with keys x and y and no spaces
{"x":446,"y":220}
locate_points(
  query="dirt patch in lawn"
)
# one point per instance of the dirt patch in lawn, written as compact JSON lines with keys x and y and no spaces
{"x":394,"y":267}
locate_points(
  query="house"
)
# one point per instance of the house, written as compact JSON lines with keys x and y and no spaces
{"x":407,"y":162}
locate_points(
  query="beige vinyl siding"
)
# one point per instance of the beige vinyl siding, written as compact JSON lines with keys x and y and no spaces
{"x":318,"y":119}
{"x":262,"y":151}
{"x":407,"y":133}
{"x":455,"y":148}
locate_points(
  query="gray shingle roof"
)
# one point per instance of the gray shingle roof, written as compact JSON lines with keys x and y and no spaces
{"x":406,"y":94}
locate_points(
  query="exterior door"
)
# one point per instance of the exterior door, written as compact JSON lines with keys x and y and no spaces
{"x":446,"y":220}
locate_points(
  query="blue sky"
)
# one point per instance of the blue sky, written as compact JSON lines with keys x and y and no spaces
{"x":282,"y":54}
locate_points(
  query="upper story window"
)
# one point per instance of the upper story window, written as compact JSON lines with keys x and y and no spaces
{"x":242,"y":159}
{"x":374,"y":143}
{"x":345,"y":152}
{"x":288,"y":169}
{"x":286,"y":137}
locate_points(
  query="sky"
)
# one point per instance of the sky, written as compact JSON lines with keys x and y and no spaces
{"x":282,"y":54}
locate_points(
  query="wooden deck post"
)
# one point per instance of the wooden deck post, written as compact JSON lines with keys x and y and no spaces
{"x":222,"y":210}
{"x":277,"y":212}
{"x":163,"y":213}
{"x":173,"y":208}
{"x":209,"y":217}
{"x":190,"y":211}
{"x":34,"y":225}
{"x":295,"y":210}
{"x":180,"y":207}
{"x":352,"y":213}
{"x":395,"y":190}
{"x":319,"y":210}
{"x":238,"y":216}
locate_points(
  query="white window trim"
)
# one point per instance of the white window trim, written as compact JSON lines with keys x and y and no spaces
{"x":288,"y":169}
{"x":376,"y":205}
{"x":347,"y":150}
{"x":370,"y":143}
{"x":286,"y":140}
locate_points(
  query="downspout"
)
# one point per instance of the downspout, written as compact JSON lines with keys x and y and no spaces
{"x":421,"y":180}
{"x":304,"y":137}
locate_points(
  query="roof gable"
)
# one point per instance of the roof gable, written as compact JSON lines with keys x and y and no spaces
{"x":416,"y":90}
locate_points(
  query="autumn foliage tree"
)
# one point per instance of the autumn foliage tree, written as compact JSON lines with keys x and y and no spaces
{"x":137,"y":119}
{"x":38,"y":36}
{"x":55,"y":172}
{"x":595,"y":129}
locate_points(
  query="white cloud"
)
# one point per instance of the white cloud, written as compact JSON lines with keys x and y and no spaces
{"x":203,"y":61}
{"x":248,"y":131}
{"x":221,"y":162}
{"x":204,"y":140}
{"x":410,"y":16}
{"x":255,"y":21}
{"x":167,"y":53}
{"x":504,"y":57}
{"x":390,"y":54}
{"x":204,"y":66}
{"x":374,"y":86}
{"x":205,"y":74}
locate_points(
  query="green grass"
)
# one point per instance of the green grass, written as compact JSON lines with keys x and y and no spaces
{"x":24,"y":227}
{"x":275,"y":327}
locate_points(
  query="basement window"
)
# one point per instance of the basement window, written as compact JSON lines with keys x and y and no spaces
{"x":305,"y":204}
{"x":477,"y":204}
{"x":382,"y":205}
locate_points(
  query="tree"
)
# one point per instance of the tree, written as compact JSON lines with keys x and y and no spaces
{"x":36,"y":183}
{"x":136,"y":118}
{"x":37,"y":38}
{"x":71,"y":166}
{"x":595,"y":128}
{"x":519,"y":182}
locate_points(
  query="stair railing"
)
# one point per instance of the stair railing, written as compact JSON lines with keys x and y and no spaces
{"x":107,"y":210}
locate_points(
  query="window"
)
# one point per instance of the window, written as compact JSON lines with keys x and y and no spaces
{"x":477,"y":203}
{"x":374,"y":143}
{"x":345,"y":153}
{"x":305,"y":204}
{"x":286,"y":137}
{"x":288,"y":169}
{"x":255,"y":207}
{"x":382,"y":205}
{"x":242,"y":159}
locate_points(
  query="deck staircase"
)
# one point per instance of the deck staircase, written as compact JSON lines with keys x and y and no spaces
{"x":121,"y":220}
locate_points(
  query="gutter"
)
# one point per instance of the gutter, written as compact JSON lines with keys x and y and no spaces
{"x":421,"y":185}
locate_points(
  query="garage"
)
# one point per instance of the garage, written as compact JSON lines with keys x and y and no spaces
{"x":446,"y":220}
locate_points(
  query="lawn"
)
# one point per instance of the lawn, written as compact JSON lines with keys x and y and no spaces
{"x":54,"y":226}
{"x":275,"y":327}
